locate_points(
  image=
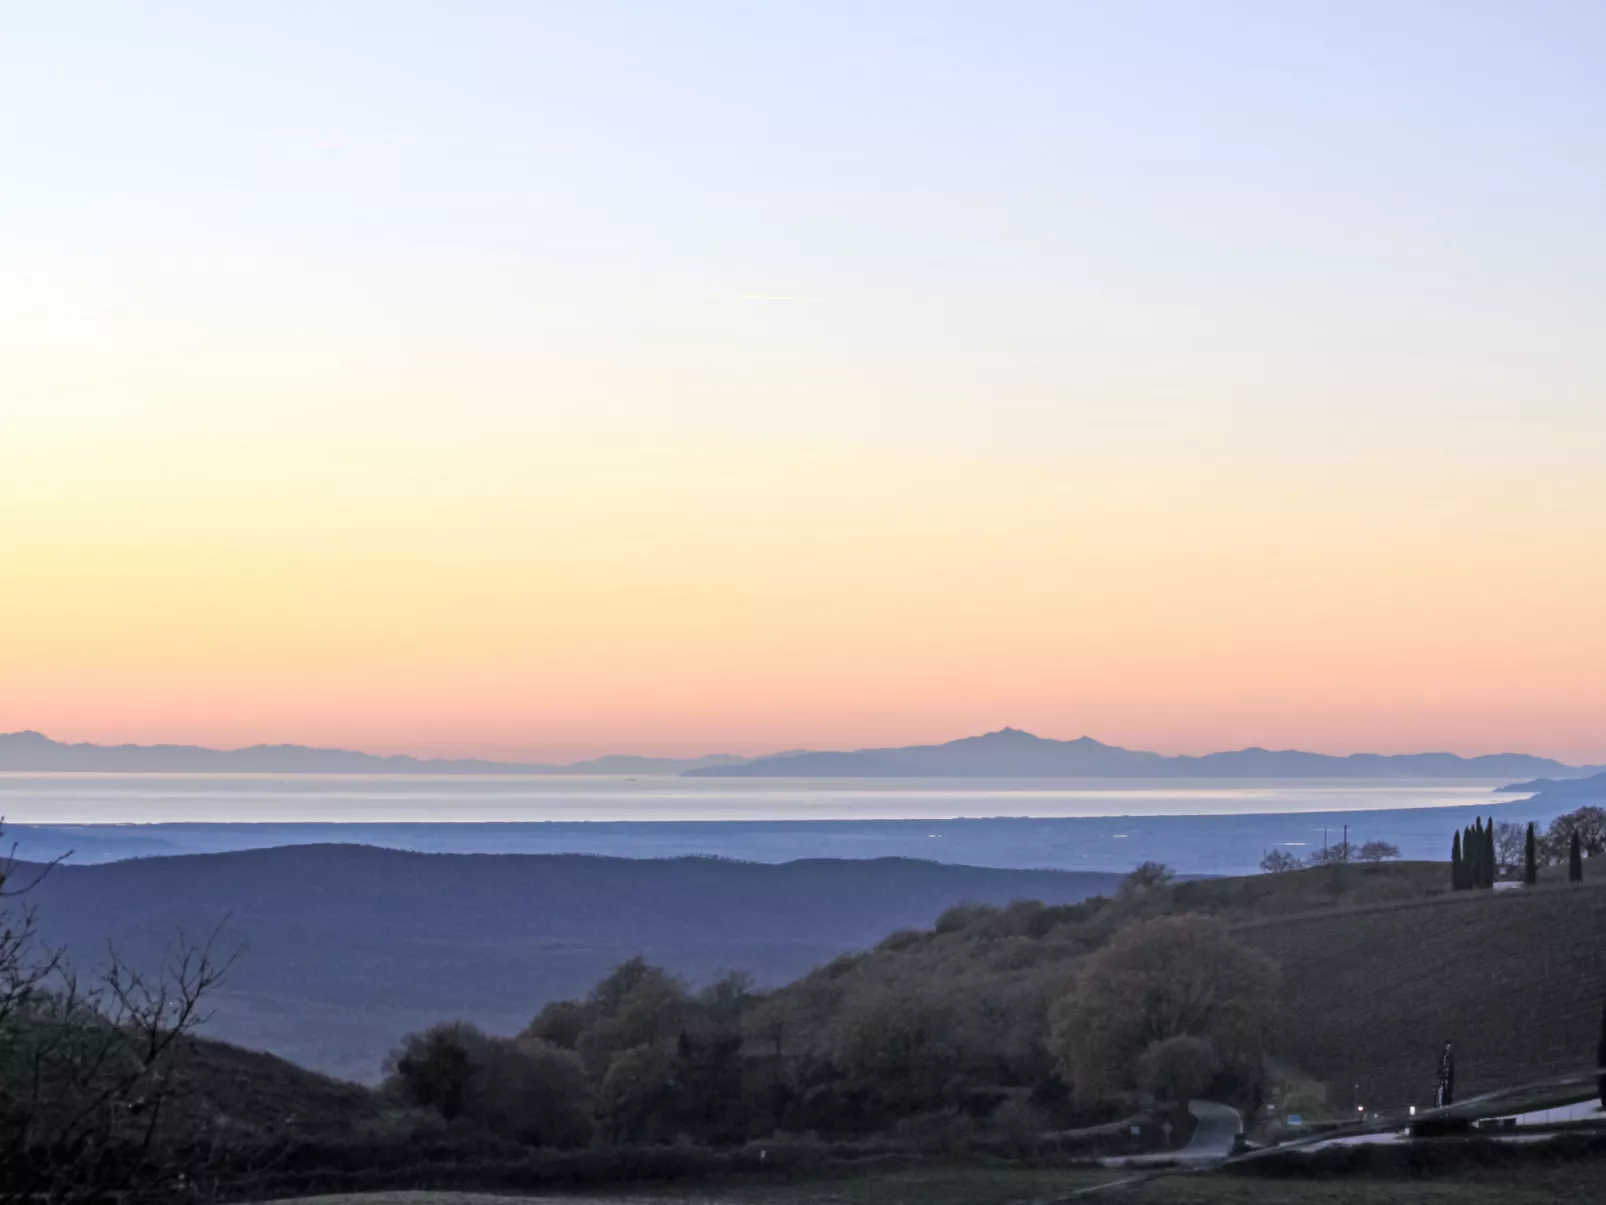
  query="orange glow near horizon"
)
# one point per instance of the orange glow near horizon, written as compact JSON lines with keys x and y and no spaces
{"x":474,"y":601}
{"x":557,"y":380}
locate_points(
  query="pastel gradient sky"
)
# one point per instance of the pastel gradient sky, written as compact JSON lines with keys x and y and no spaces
{"x":526,"y":379}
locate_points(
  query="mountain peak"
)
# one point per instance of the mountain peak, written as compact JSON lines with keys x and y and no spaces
{"x":27,"y":738}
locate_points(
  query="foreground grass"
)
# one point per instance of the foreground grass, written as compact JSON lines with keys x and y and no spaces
{"x":1579,"y":1180}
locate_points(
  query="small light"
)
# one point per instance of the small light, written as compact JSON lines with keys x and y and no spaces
{"x":1413,"y":1110}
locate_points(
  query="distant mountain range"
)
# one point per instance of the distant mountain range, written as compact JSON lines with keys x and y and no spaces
{"x":1007,"y":753}
{"x":1010,"y":752}
{"x":33,"y":751}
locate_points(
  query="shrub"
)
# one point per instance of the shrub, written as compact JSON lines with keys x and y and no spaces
{"x":1278,"y":861}
{"x":524,"y":1089}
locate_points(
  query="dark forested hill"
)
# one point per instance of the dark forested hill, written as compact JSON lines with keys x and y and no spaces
{"x":348,"y":947}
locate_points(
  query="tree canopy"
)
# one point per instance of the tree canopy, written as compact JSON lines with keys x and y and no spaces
{"x":1159,"y":980}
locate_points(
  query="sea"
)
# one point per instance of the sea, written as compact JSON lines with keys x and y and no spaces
{"x":1210,"y":827}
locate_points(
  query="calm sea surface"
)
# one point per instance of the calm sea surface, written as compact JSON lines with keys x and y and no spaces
{"x":354,"y":798}
{"x":1211,"y":827}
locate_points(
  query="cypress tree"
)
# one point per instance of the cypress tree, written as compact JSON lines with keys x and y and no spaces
{"x":1458,"y":869}
{"x":1575,"y":861}
{"x":1492,"y":862}
{"x":1530,"y":862}
{"x":1476,"y":838}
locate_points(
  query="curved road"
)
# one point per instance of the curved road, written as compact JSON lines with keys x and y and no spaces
{"x":1213,"y":1136}
{"x":1212,"y":1139}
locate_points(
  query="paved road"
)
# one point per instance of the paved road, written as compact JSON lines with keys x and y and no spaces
{"x":1212,"y":1138}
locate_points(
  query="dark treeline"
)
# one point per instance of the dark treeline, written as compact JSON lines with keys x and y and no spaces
{"x":999,"y":1025}
{"x":1483,"y":852}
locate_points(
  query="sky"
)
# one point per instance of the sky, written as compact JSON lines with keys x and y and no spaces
{"x":523,"y":379}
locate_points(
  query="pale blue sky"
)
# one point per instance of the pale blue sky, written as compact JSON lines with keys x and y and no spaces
{"x":1236,"y":174}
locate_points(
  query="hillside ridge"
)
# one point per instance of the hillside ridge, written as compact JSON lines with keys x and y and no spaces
{"x":349,"y":947}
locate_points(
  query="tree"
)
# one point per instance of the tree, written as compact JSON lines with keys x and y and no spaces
{"x":91,"y":1069}
{"x":1146,"y":877}
{"x":637,"y":1091}
{"x":1472,"y":850}
{"x":901,"y":1041}
{"x":1176,"y":1070}
{"x":1575,"y":860}
{"x":433,"y":1068}
{"x":1171,"y":977}
{"x":534,"y":1093}
{"x":729,"y":998}
{"x":1530,"y":858}
{"x":1278,"y":861}
{"x":1508,"y":844}
{"x":560,"y":1022}
{"x":1331,"y":855}
{"x":1378,"y":851}
{"x":524,"y":1088}
{"x":636,"y":1004}
{"x":1588,"y":824}
{"x":1491,"y":862}
{"x":1458,"y":866}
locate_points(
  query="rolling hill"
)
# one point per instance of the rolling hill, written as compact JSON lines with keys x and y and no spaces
{"x":1517,"y":979}
{"x":345,"y":948}
{"x":1379,"y":965}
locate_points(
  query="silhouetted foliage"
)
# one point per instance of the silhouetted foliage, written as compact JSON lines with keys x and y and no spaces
{"x":1172,"y":977}
{"x":561,"y":1023}
{"x":1279,"y":861}
{"x":1575,"y":860}
{"x":1587,"y":825}
{"x":90,"y":1069}
{"x":1378,"y":851}
{"x":1146,"y":877}
{"x":1508,"y":845}
{"x":1177,"y":1069}
{"x":1530,"y":857}
{"x":1458,"y":866}
{"x":522,"y":1088}
{"x":1336,"y":854}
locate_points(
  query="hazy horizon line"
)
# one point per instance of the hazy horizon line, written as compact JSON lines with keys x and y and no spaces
{"x":561,"y":760}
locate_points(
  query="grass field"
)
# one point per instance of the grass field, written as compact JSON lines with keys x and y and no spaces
{"x":1517,"y":979}
{"x":1578,"y":1181}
